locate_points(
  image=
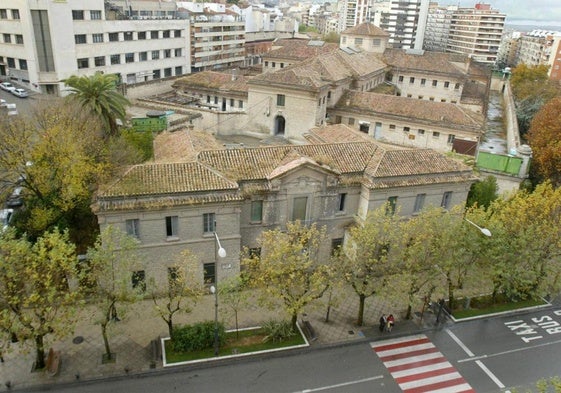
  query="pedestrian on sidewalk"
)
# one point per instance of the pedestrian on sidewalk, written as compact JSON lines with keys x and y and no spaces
{"x":383,"y":322}
{"x":390,"y":322}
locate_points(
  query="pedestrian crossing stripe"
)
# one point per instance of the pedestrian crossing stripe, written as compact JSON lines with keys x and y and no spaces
{"x":418,"y":366}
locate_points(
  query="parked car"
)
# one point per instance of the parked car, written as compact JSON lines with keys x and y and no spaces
{"x":21,"y":93}
{"x":7,"y":86}
{"x":12,"y":109}
{"x":2,"y":103}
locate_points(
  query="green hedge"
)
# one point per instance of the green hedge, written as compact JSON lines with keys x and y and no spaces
{"x":196,"y":337}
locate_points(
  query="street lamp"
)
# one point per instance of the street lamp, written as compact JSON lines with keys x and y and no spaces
{"x":219,"y":251}
{"x":484,"y":231}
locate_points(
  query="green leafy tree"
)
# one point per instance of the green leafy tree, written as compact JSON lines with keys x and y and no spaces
{"x":34,"y":288}
{"x":332,"y":37}
{"x":483,"y":192}
{"x":290,"y":267}
{"x":373,"y":252}
{"x":179,"y":292}
{"x":98,"y":94}
{"x":526,"y":248}
{"x":112,"y":261}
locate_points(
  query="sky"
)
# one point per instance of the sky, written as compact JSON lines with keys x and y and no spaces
{"x":542,"y":12}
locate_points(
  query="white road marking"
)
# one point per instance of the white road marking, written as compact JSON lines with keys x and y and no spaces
{"x":490,"y":374}
{"x":341,"y":384}
{"x":460,"y":343}
{"x":511,"y":351}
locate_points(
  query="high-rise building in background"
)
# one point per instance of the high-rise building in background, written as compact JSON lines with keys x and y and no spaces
{"x":476,"y":32}
{"x":406,"y":23}
{"x":354,"y":12}
{"x":438,"y":27}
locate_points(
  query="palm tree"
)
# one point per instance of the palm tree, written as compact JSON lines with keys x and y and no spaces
{"x":98,"y":93}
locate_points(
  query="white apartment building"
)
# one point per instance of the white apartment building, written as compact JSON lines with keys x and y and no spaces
{"x":535,"y":48}
{"x":405,"y":23}
{"x":44,"y":42}
{"x":354,"y":12}
{"x":438,"y":27}
{"x":476,"y":32}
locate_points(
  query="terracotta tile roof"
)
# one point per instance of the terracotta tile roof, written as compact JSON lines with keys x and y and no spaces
{"x":168,"y":178}
{"x":337,"y":133}
{"x":213,"y":80}
{"x":433,"y":62}
{"x":221,"y":175}
{"x":298,"y":49}
{"x":441,"y":113}
{"x":182,"y":145}
{"x":322,"y":70}
{"x":366,"y":29}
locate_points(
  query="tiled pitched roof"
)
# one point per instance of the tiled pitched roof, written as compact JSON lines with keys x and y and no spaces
{"x":298,"y":50}
{"x":366,"y":29}
{"x":213,"y":80}
{"x":168,"y":178}
{"x":338,"y":133}
{"x":435,"y":62}
{"x":441,"y":113}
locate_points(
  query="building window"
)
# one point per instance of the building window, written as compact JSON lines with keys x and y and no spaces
{"x":281,"y":65}
{"x":95,"y":15}
{"x":281,"y":99}
{"x":15,"y":14}
{"x":336,"y":245}
{"x":166,"y":34}
{"x":411,"y":79}
{"x":83,"y":63}
{"x":143,"y":56}
{"x":141,"y":35}
{"x":376,"y":42}
{"x":209,"y":222}
{"x":299,"y":205}
{"x":351,"y":121}
{"x":138,"y":280}
{"x":19,"y":39}
{"x":172,"y":223}
{"x":342,"y":198}
{"x":22,"y":64}
{"x":431,"y":98}
{"x":446,"y":84}
{"x":178,"y":70}
{"x":400,"y":78}
{"x":99,"y":61}
{"x":155,"y":54}
{"x":209,"y":273}
{"x":127,"y":36}
{"x":266,"y":64}
{"x":436,"y":134}
{"x":97,"y":38}
{"x":167,"y":53}
{"x":167,"y":72}
{"x":156,"y":74}
{"x":133,"y":227}
{"x":232,"y":101}
{"x":240,"y":104}
{"x":358,"y":41}
{"x":434,"y":83}
{"x":257,"y":211}
{"x":80,"y":38}
{"x":419,"y":203}
{"x":364,"y":127}
{"x":154,"y":34}
{"x":3,"y":14}
{"x":113,"y":37}
{"x":273,"y":64}
{"x":173,"y":276}
{"x":115,"y":59}
{"x":391,"y":205}
{"x":457,"y":86}
{"x":215,"y":100}
{"x":406,"y":129}
{"x":392,"y":127}
{"x":423,"y":81}
{"x":11,"y":62}
{"x":177,"y":33}
{"x":177,"y":52}
{"x":77,"y":15}
{"x":129,"y":57}
{"x":451,"y":138}
{"x":420,"y":131}
{"x":446,"y":200}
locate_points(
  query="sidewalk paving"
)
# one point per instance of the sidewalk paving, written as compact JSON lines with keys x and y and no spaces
{"x":130,"y":339}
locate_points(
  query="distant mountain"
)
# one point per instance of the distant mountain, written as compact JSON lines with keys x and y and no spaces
{"x":526,"y":27}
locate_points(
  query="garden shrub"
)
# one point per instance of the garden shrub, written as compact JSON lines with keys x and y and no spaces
{"x":277,"y":331}
{"x":196,"y":337}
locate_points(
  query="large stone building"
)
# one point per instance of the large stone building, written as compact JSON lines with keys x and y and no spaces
{"x":238,"y":193}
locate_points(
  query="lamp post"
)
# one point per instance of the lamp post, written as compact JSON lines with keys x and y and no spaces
{"x":219,"y":251}
{"x":484,"y":231}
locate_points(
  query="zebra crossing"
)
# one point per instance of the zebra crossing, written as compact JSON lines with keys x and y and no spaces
{"x":418,"y":366}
